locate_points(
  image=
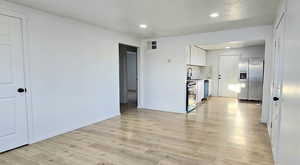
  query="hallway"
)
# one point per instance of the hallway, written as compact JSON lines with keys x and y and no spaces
{"x":222,"y":132}
{"x":132,"y":102}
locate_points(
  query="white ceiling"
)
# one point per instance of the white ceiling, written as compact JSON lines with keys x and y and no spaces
{"x":163,"y":17}
{"x":233,"y":44}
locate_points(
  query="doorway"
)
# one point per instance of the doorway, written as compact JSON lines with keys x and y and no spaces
{"x":128,"y":65}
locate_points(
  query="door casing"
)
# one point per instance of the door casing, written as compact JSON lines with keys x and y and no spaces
{"x":277,"y":77}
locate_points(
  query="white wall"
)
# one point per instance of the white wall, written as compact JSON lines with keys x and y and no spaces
{"x":74,"y":77}
{"x":213,"y":60}
{"x":164,"y":69}
{"x":289,"y":149}
{"x":131,"y":70}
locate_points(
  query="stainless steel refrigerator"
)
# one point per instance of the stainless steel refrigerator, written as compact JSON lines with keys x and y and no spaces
{"x":251,"y":78}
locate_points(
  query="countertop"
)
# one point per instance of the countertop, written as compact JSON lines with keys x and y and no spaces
{"x":198,"y":79}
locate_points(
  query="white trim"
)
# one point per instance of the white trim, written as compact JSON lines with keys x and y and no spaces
{"x":139,"y":72}
{"x":166,"y":110}
{"x":281,"y":12}
{"x":64,"y":131}
{"x":278,"y":22}
{"x":10,"y":13}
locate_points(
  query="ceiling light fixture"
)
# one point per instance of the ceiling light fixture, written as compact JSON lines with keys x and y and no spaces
{"x":228,"y":47}
{"x":143,"y":26}
{"x":214,"y":15}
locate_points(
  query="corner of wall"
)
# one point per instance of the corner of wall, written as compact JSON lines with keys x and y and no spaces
{"x":60,"y":132}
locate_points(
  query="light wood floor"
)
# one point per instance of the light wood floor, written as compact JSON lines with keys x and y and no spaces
{"x":221,"y":132}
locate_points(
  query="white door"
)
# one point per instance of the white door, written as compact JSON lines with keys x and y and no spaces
{"x":228,"y":76}
{"x":13,"y":116}
{"x":276,"y":86}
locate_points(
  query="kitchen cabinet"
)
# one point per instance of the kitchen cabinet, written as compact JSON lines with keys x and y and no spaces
{"x":202,"y":56}
{"x":197,"y":56}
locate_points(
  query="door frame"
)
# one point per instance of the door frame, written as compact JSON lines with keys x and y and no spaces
{"x":219,"y":60}
{"x":278,"y":57}
{"x":138,"y":75}
{"x":26,"y":69}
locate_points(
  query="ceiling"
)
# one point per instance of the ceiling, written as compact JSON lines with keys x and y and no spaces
{"x":233,"y":44}
{"x":163,"y":17}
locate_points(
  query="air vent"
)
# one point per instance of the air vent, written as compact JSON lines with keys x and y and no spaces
{"x":152,"y":45}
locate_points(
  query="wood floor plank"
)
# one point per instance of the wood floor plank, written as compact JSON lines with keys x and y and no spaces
{"x":222,"y":131}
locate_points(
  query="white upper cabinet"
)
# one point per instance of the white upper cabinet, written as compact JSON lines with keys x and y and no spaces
{"x":197,"y":56}
{"x":202,"y":54}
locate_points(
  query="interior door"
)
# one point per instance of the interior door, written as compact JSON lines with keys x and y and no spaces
{"x":277,"y":86}
{"x":13,"y":116}
{"x":228,"y":76}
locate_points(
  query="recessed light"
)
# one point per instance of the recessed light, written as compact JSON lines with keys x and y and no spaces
{"x":228,"y":47}
{"x":214,"y":15}
{"x":143,"y":26}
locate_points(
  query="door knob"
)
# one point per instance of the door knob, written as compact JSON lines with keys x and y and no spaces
{"x":275,"y":98}
{"x":22,"y":90}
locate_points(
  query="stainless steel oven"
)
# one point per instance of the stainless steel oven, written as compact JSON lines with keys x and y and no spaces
{"x":191,"y":99}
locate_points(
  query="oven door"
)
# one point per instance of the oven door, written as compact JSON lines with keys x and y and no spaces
{"x":191,"y":97}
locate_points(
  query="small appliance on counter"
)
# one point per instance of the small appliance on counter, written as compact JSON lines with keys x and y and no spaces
{"x":193,"y":73}
{"x":191,"y":99}
{"x":189,"y":73}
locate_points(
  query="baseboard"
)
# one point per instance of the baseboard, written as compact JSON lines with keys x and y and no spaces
{"x":60,"y":132}
{"x":162,"y":110}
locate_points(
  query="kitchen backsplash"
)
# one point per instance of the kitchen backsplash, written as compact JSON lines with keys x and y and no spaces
{"x":200,"y":72}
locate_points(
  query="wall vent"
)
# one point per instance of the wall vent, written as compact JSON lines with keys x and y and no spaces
{"x":152,"y":45}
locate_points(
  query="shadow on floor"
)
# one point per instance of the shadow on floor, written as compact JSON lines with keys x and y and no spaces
{"x":132,"y":102}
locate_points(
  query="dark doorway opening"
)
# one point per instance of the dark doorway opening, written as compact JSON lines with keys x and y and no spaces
{"x":128,"y":77}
